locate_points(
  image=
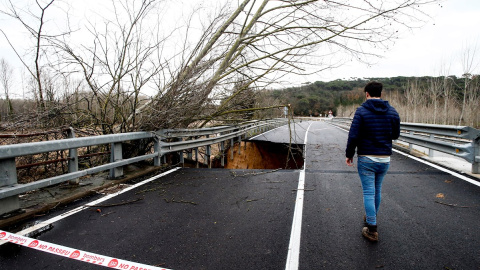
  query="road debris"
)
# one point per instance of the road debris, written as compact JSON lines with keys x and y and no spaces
{"x":234,"y":174}
{"x":115,"y":204}
{"x":454,"y":205}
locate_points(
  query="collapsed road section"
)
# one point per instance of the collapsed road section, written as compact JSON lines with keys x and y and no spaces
{"x":265,"y":155}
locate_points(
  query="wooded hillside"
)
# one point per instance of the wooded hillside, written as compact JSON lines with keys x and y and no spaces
{"x":439,"y":100}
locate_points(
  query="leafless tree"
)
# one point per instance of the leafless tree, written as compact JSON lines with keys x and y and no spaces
{"x":434,"y":90}
{"x":415,"y":95}
{"x":118,"y":63}
{"x":469,"y":64}
{"x":262,"y":41}
{"x":473,"y":103}
{"x":33,"y":19}
{"x":239,"y":48}
{"x":6,"y":80}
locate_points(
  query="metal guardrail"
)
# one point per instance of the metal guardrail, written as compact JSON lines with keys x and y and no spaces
{"x":189,"y":139}
{"x":460,"y":141}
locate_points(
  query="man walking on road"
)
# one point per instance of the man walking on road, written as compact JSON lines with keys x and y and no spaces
{"x":374,"y":126}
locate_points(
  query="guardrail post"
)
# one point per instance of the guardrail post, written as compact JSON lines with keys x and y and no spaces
{"x":207,"y":156}
{"x":72,"y":158}
{"x":8,"y":177}
{"x":116,"y":155}
{"x":222,"y":150}
{"x":196,"y":157}
{"x":240,"y":145}
{"x":476,"y":156}
{"x":410,"y":146}
{"x":231,"y":148}
{"x":245,"y":143}
{"x":430,"y":151}
{"x":189,"y":151}
{"x":157,"y":149}
{"x":182,"y":160}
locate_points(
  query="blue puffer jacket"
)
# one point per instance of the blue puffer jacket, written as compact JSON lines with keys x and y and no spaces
{"x":373,"y":128}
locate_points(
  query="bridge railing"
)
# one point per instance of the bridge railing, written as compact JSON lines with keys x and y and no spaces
{"x":460,"y":141}
{"x":186,"y":139}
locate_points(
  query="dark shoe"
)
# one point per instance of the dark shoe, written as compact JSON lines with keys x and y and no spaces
{"x":370,"y":232}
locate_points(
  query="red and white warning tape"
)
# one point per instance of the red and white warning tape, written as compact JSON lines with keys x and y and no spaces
{"x":74,"y":253}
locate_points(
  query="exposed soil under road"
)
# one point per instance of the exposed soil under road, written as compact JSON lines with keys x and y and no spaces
{"x":264,"y":155}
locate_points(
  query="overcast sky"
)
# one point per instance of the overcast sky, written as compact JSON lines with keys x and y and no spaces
{"x":433,"y":50}
{"x":426,"y":51}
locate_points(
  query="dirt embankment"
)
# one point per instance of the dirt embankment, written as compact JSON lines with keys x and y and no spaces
{"x":264,"y":155}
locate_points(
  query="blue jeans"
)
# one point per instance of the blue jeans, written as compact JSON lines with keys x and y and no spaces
{"x":371,"y":174}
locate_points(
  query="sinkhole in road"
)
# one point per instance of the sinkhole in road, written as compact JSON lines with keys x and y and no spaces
{"x":263,"y":155}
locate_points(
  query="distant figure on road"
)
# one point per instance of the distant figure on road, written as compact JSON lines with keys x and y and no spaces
{"x":374,"y":126}
{"x":330,"y":114}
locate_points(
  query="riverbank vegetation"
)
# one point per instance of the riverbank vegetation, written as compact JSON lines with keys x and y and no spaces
{"x":446,"y":100}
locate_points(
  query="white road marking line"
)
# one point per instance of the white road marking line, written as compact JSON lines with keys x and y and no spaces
{"x":439,"y":168}
{"x":293,"y":256}
{"x":476,"y":183}
{"x":47,"y":223}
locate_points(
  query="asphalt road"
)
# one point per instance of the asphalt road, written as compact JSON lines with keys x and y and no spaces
{"x":242,"y":219}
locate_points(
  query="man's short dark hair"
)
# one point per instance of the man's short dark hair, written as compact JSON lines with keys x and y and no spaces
{"x":374,"y":89}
